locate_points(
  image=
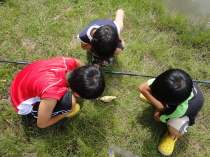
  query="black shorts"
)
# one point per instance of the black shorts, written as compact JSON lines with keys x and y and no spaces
{"x":63,"y":106}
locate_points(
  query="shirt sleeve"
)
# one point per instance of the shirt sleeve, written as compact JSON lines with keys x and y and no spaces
{"x":149,"y":82}
{"x":83,"y":38}
{"x":71,"y":63}
{"x":177,"y":113}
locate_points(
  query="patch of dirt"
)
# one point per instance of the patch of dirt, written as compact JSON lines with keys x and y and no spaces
{"x":62,"y":12}
{"x":74,"y":42}
{"x":201,"y":118}
{"x":30,"y":154}
{"x":5,"y":101}
{"x":150,"y":64}
{"x":197,"y":146}
{"x":29,"y":44}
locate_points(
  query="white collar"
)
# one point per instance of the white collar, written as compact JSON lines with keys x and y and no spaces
{"x":90,"y":29}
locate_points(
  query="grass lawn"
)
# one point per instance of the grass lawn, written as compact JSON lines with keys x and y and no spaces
{"x":154,"y":42}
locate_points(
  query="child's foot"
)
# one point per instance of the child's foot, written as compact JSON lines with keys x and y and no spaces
{"x":75,"y":112}
{"x":95,"y":61}
{"x":107,"y":62}
{"x":166,"y":146}
{"x":143,"y":98}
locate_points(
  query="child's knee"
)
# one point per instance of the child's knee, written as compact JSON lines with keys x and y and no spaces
{"x":120,"y":13}
{"x":178,"y":126}
{"x":174,"y":131}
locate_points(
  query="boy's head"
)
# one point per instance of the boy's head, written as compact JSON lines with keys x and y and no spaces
{"x":87,"y":81}
{"x":172,"y":87}
{"x":104,"y":42}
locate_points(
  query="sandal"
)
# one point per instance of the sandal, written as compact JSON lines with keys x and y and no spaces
{"x":95,"y":61}
{"x":75,"y":112}
{"x":166,"y":146}
{"x":109,"y":61}
{"x":143,"y":98}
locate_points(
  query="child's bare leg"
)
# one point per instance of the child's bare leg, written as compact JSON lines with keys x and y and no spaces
{"x":74,"y":110}
{"x":177,"y":126}
{"x":119,"y":18}
{"x":173,"y":133}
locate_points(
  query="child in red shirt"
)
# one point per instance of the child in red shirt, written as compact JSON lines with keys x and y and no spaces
{"x":41,"y":88}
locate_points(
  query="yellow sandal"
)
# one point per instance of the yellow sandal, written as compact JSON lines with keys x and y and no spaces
{"x":166,"y":146}
{"x":143,"y":98}
{"x":75,"y":112}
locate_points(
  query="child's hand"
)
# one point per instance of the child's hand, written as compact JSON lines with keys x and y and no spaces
{"x":161,"y":108}
{"x":122,"y":41}
{"x":157,"y":114}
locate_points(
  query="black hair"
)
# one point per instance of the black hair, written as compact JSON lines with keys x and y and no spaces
{"x":87,"y":81}
{"x":172,"y":87}
{"x":104,"y":42}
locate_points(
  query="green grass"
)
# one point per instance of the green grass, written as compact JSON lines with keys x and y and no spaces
{"x":154,"y":41}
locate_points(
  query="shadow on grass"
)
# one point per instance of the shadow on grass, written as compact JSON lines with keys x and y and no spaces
{"x":89,"y":57}
{"x":157,"y":130}
{"x":71,"y":136}
{"x":50,"y":138}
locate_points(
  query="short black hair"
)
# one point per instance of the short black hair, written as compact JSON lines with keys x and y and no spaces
{"x":104,"y":42}
{"x":87,"y":81}
{"x":172,"y":87}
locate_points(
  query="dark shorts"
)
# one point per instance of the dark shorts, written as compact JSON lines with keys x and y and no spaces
{"x":63,"y":106}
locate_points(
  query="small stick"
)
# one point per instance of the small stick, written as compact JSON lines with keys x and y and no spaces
{"x":4,"y":80}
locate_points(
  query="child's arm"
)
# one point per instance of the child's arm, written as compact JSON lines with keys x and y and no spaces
{"x":85,"y":46}
{"x":46,"y":107}
{"x":146,"y":91}
{"x":119,"y":19}
{"x":45,"y":112}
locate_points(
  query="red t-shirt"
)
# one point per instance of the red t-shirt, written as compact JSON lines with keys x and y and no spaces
{"x":41,"y":79}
